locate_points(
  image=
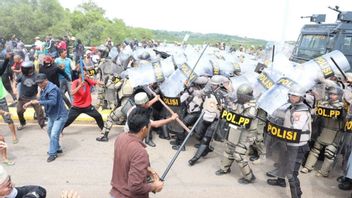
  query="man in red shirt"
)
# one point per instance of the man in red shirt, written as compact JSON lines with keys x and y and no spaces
{"x":131,"y":165}
{"x":82,"y":100}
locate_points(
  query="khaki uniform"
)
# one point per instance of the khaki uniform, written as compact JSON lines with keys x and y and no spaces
{"x":328,"y":137}
{"x":118,"y":115}
{"x":240,"y":139}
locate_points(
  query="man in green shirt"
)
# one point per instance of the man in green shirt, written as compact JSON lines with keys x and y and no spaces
{"x":3,"y":103}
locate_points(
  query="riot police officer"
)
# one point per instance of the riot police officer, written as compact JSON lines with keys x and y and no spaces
{"x":237,"y":147}
{"x":297,"y":118}
{"x":193,"y":102}
{"x":330,"y":133}
{"x":215,"y":96}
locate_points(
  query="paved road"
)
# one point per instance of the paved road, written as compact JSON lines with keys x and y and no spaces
{"x":86,"y":165}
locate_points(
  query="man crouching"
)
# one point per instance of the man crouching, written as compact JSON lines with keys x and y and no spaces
{"x":131,"y":160}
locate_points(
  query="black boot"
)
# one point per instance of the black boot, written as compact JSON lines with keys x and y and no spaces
{"x":202,"y":148}
{"x":295,"y":188}
{"x":208,"y":150}
{"x":255,"y":155}
{"x":277,"y":182}
{"x":180,"y":137}
{"x":346,"y":184}
{"x":176,"y":147}
{"x":149,"y":140}
{"x":164,"y":133}
{"x":103,"y":138}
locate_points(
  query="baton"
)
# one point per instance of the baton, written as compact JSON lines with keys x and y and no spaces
{"x":162,"y":178}
{"x":170,"y":110}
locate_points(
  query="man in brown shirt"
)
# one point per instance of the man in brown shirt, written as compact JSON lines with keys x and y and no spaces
{"x":131,"y":160}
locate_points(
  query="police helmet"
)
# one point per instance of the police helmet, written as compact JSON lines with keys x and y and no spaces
{"x":244,"y":93}
{"x":103,"y":50}
{"x":218,"y":80}
{"x":201,"y":80}
{"x":297,"y":91}
{"x":335,"y":90}
{"x":144,"y":56}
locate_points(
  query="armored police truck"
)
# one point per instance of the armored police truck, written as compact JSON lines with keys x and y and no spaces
{"x":320,"y":38}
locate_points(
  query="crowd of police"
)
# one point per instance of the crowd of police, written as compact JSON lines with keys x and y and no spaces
{"x":213,"y":97}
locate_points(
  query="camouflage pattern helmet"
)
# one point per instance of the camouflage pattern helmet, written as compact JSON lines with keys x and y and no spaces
{"x":245,"y":89}
{"x":244,"y":93}
{"x":335,"y":90}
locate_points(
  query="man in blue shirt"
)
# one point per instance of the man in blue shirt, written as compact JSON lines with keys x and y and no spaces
{"x":51,"y":99}
{"x":65,"y":85}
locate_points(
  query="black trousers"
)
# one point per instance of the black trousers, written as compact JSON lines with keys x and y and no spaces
{"x":31,"y":191}
{"x":91,"y":111}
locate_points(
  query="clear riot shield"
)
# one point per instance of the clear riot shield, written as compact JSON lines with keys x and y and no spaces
{"x":325,"y":66}
{"x":138,"y":54}
{"x":265,"y":80}
{"x":249,"y":78}
{"x":167,"y":66}
{"x":248,"y":65}
{"x":346,"y":142}
{"x":113,"y":53}
{"x":175,"y":84}
{"x":150,"y":72}
{"x":224,"y":68}
{"x":110,"y":68}
{"x":124,"y":57}
{"x":276,"y":96}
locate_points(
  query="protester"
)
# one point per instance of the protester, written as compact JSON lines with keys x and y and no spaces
{"x":131,"y":165}
{"x":52,"y":71}
{"x":64,"y":63}
{"x":82,"y":100}
{"x":55,"y":110}
{"x":28,"y":92}
{"x":3,"y":104}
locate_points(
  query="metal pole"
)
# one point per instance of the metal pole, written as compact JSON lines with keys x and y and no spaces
{"x":196,"y":63}
{"x":273,"y":54}
{"x":338,"y":67}
{"x":162,"y":178}
{"x":170,"y":110}
{"x":81,"y":66}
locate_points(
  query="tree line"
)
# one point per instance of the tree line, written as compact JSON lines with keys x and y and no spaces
{"x":28,"y":19}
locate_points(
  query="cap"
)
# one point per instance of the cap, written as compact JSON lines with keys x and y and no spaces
{"x":88,"y":52}
{"x":141,"y":98}
{"x":48,"y":59}
{"x":40,"y":78}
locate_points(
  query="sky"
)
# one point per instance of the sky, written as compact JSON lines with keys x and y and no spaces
{"x":273,"y":20}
